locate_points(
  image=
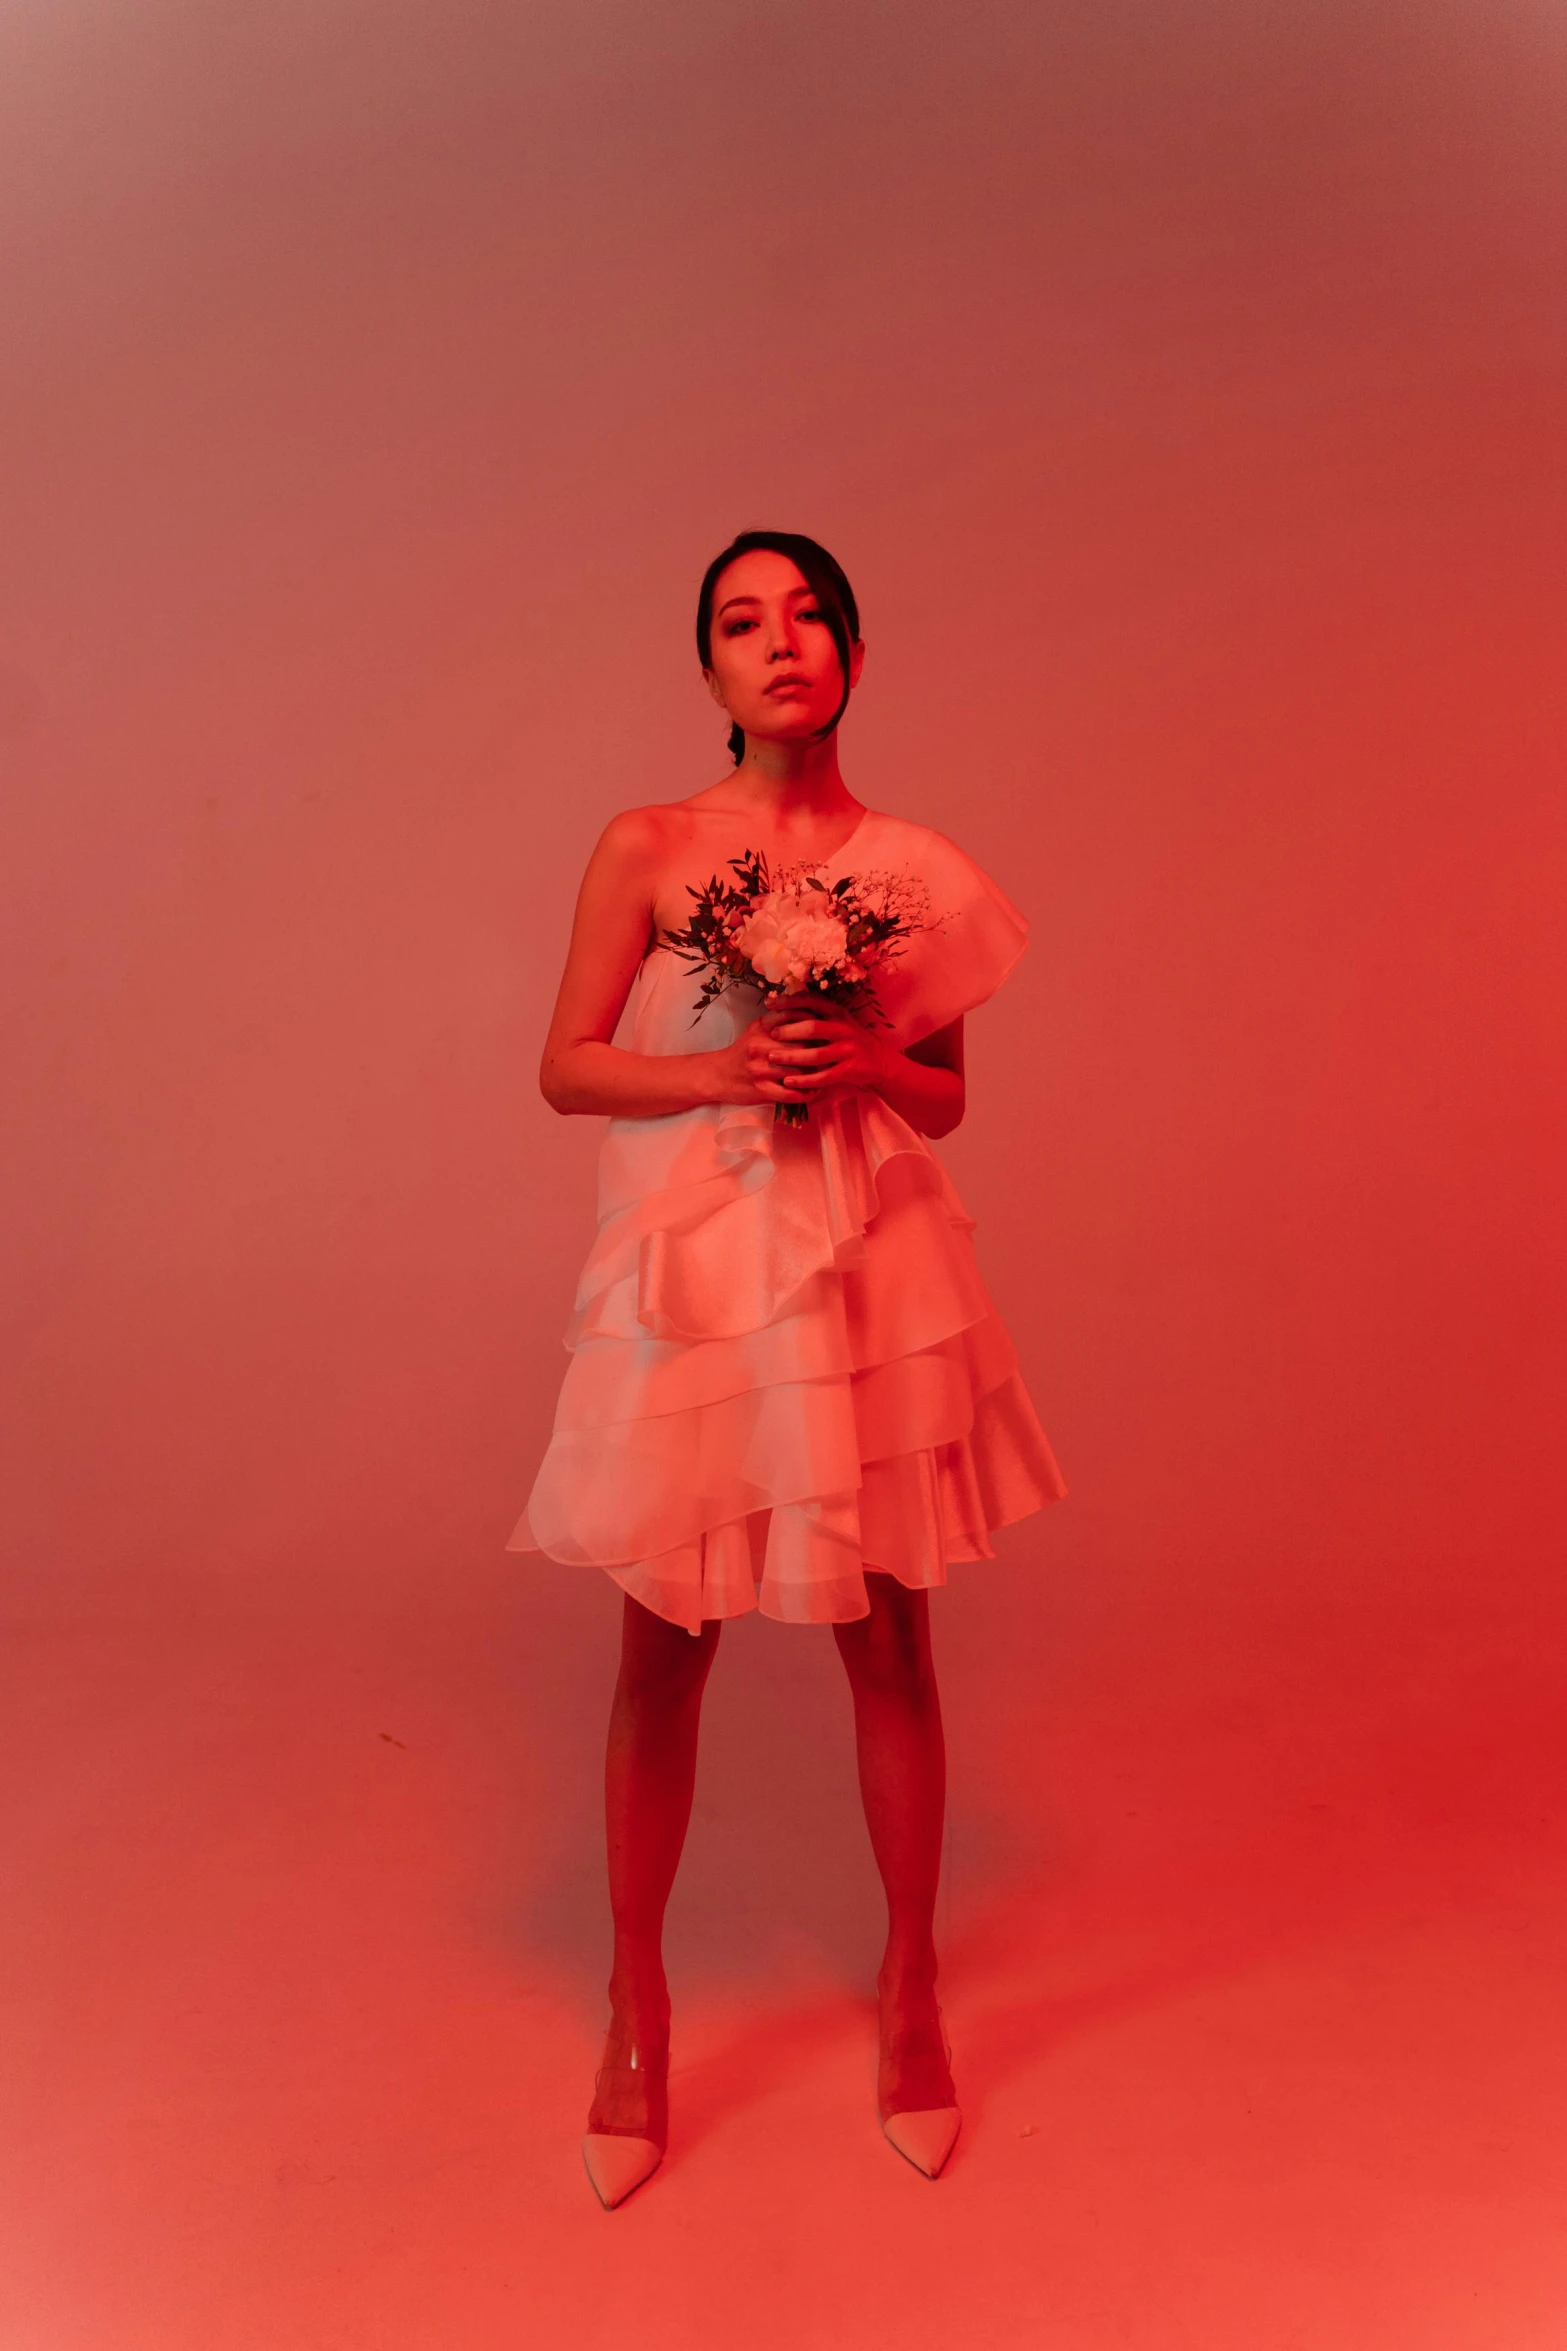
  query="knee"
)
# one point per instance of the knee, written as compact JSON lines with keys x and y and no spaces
{"x":661,"y":1664}
{"x":889,"y":1652}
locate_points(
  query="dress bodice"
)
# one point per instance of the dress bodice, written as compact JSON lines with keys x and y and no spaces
{"x":977,"y":935}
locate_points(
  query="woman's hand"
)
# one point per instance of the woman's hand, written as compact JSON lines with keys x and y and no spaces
{"x":803,"y":1049}
{"x":815,"y":1050}
{"x":799,"y":1049}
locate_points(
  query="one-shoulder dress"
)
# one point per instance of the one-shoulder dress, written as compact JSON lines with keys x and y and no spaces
{"x":785,"y":1368}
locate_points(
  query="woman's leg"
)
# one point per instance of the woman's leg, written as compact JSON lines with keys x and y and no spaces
{"x":649,"y":1776}
{"x":902,"y":1763}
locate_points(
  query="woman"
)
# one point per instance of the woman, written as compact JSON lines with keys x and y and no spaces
{"x":788,"y":1387}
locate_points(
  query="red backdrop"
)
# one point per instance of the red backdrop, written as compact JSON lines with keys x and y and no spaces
{"x":1182,"y":390}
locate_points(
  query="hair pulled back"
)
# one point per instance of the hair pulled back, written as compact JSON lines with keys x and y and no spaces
{"x":828,"y":583}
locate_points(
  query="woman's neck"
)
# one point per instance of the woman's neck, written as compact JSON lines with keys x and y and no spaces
{"x":791,"y":780}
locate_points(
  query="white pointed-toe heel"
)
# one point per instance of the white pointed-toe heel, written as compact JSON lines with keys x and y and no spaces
{"x":916,"y":2064}
{"x":926,"y":2137}
{"x":617,"y":2164}
{"x":634,"y":2100}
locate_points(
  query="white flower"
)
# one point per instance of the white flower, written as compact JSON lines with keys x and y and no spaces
{"x":791,"y":938}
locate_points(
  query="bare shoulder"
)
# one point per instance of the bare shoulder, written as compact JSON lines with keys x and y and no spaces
{"x":628,"y":857}
{"x":632,"y":838}
{"x":660,"y":832}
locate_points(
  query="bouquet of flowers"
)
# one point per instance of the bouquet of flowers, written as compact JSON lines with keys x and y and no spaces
{"x":792,"y":934}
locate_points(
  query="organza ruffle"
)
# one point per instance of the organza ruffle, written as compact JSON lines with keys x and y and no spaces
{"x":803,"y":1561}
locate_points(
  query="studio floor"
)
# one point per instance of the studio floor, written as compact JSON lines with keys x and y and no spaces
{"x":1254,"y":1934}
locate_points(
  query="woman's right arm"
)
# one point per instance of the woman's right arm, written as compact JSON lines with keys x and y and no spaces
{"x":582,"y":1072}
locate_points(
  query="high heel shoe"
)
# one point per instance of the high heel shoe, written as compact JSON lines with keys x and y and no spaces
{"x":631,"y":2101}
{"x":915,"y":2097}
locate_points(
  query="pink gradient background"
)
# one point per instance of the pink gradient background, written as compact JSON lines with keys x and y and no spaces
{"x":1183,"y":391}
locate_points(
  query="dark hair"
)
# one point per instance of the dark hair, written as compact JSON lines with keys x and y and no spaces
{"x":822,"y":575}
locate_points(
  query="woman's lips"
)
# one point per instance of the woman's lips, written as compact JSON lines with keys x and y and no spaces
{"x":789,"y":686}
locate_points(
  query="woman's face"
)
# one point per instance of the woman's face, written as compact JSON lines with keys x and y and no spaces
{"x":774,"y":664}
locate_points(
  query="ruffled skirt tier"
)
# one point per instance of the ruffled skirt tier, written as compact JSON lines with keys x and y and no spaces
{"x":785,"y":1370}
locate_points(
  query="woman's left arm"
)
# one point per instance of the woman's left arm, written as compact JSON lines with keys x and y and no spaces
{"x":825,"y":1051}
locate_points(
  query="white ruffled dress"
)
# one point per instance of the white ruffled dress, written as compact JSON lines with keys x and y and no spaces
{"x":785,"y":1367}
